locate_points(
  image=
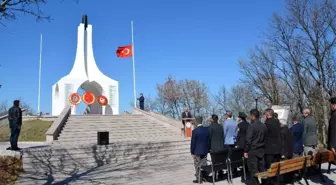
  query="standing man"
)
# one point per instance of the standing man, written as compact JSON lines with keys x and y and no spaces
{"x":273,"y":139}
{"x":15,"y":123}
{"x":216,"y":135}
{"x":332,"y":127}
{"x":142,"y":102}
{"x":186,"y":116}
{"x":242,"y":129}
{"x":199,"y":147}
{"x":254,"y":148}
{"x":230,"y":131}
{"x":297,"y":132}
{"x":309,"y":133}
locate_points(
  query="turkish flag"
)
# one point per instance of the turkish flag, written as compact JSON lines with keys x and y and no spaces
{"x":124,"y":51}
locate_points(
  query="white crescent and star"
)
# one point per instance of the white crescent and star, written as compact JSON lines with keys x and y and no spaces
{"x":126,"y":51}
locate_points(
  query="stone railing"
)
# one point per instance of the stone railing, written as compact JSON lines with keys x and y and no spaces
{"x":4,"y":119}
{"x":166,"y":121}
{"x":56,"y":128}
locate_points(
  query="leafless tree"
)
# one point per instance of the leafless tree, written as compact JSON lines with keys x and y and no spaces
{"x":10,"y":9}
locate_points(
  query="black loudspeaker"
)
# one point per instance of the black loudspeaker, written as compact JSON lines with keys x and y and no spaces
{"x":103,"y":138}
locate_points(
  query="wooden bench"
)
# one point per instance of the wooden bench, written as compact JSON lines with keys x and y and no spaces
{"x":287,"y":166}
{"x":321,"y":157}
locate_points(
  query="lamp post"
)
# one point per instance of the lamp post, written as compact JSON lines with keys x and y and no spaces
{"x":256,"y":101}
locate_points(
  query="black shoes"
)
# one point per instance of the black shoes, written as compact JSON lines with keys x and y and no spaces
{"x":196,"y":181}
{"x":14,"y":149}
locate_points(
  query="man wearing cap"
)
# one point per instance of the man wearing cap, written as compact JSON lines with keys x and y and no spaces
{"x":142,"y":102}
{"x":332,"y":126}
{"x":15,"y":122}
{"x":242,"y":128}
{"x":199,"y":147}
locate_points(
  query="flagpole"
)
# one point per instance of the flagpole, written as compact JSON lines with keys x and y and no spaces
{"x":39,"y":81}
{"x":133,"y":64}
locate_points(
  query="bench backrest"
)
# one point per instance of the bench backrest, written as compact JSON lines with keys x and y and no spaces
{"x":290,"y":165}
{"x":321,"y":157}
{"x":219,"y":159}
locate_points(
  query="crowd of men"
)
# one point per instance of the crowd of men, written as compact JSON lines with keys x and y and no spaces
{"x":263,"y":142}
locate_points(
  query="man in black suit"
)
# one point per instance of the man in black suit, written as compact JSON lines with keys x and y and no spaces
{"x":273,"y":140}
{"x":216,"y":135}
{"x":142,"y":102}
{"x":185,"y":115}
{"x":242,"y":129}
{"x":254,"y":147}
{"x":199,"y":147}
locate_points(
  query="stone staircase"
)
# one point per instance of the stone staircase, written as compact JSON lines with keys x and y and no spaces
{"x":83,"y":129}
{"x":142,"y":151}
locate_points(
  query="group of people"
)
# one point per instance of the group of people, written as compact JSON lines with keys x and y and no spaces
{"x":263,"y":143}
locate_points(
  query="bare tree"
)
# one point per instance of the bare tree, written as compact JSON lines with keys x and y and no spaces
{"x":241,"y":98}
{"x":221,"y":100}
{"x":9,"y":9}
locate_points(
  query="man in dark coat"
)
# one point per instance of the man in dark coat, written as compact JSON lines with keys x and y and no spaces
{"x":332,"y":127}
{"x":199,"y":147}
{"x":309,"y":133}
{"x":142,"y":102}
{"x":254,"y":148}
{"x":297,"y":132}
{"x":287,"y":145}
{"x":216,"y":135}
{"x":273,"y":142}
{"x":242,"y":129}
{"x":186,"y":114}
{"x":15,"y":123}
{"x":287,"y":142}
{"x":273,"y":139}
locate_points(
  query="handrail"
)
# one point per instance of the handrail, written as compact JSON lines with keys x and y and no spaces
{"x":6,"y":115}
{"x":54,"y":131}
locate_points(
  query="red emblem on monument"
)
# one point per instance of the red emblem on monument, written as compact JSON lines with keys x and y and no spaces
{"x":74,"y":99}
{"x":88,"y":98}
{"x":102,"y":100}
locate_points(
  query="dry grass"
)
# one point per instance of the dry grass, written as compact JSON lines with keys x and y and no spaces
{"x":33,"y":130}
{"x":10,"y":168}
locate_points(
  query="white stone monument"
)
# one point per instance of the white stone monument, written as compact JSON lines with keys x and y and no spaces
{"x":283,"y":113}
{"x":86,"y":75}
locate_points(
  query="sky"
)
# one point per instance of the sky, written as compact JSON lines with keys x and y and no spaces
{"x":189,"y":39}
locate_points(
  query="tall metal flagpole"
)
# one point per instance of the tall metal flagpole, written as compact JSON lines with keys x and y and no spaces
{"x":133,"y":64}
{"x":39,"y":85}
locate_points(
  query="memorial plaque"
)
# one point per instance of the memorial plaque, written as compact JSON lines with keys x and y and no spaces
{"x":283,"y":113}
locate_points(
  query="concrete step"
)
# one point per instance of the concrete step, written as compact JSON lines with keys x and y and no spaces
{"x":83,"y":139}
{"x":122,"y":145}
{"x":91,"y":142}
{"x":112,"y":130}
{"x":112,"y":125}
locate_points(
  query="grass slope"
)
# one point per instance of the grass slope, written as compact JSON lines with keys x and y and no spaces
{"x":33,"y":130}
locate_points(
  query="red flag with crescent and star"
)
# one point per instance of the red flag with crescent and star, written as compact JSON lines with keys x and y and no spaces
{"x":124,"y":51}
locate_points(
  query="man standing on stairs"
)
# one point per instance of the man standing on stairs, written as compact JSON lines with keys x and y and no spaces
{"x":199,"y":147}
{"x":15,"y":122}
{"x":142,"y":102}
